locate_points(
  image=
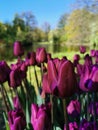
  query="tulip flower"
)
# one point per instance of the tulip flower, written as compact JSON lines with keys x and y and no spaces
{"x":49,"y":56}
{"x":31,"y":58}
{"x":15,"y":78}
{"x":84,"y":76}
{"x":16,"y":119}
{"x":72,"y":126}
{"x":96,"y":53}
{"x":92,"y":53}
{"x":76,"y":59}
{"x":92,"y":82}
{"x":40,"y":117}
{"x":60,"y":78}
{"x":82,"y":49}
{"x":85,"y":125}
{"x":16,"y":103}
{"x":73,"y":108}
{"x":88,"y":60}
{"x":41,"y":55}
{"x":4,"y":71}
{"x":18,"y":49}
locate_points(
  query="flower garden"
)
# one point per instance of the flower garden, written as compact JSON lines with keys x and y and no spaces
{"x":65,"y":96}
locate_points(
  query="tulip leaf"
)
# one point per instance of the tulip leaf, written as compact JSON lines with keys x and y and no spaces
{"x":10,"y":101}
{"x":6,"y":121}
{"x":58,"y":111}
{"x":39,"y":100}
{"x":22,"y":97}
{"x":29,"y":127}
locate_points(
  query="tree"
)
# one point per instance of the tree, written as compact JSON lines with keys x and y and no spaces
{"x":46,"y":28}
{"x":29,"y":19}
{"x":62,"y":21}
{"x":78,"y":26}
{"x":90,"y":5}
{"x":2,"y":30}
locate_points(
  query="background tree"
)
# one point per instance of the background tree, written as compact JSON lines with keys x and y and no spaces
{"x":78,"y":26}
{"x":29,"y":19}
{"x":46,"y":29}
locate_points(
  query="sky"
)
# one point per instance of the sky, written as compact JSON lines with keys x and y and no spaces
{"x":43,"y":10}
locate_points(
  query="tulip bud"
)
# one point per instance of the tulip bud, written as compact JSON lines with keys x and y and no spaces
{"x":41,"y":55}
{"x":15,"y":78}
{"x":16,"y":119}
{"x":85,"y":125}
{"x":82,"y":49}
{"x":76,"y":59}
{"x":61,"y":78}
{"x":92,"y":53}
{"x":31,"y":57}
{"x":16,"y":103}
{"x":72,"y":126}
{"x":18,"y":49}
{"x":4,"y":71}
{"x":73,"y":108}
{"x":40,"y":117}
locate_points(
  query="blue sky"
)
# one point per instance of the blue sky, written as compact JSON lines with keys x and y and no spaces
{"x":44,"y":10}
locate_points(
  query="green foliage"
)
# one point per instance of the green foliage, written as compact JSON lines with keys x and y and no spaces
{"x":77,"y":28}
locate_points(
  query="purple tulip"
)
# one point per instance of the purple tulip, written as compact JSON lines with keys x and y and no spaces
{"x":48,"y":56}
{"x":60,"y":78}
{"x":18,"y":49}
{"x":92,"y":53}
{"x":92,"y":82}
{"x":40,"y":117}
{"x":41,"y":55}
{"x":16,"y":119}
{"x":85,"y":125}
{"x":96,"y":54}
{"x":15,"y":78}
{"x":4,"y":71}
{"x":88,"y":60}
{"x":21,"y":67}
{"x":96,"y":59}
{"x":82,"y":49}
{"x":16,"y":103}
{"x":93,"y":108}
{"x":31,"y":57}
{"x":76,"y":59}
{"x":73,"y":108}
{"x":72,"y":126}
{"x":84,"y":77}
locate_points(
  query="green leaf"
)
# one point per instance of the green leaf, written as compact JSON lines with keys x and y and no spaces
{"x":6,"y":121}
{"x":28,"y":106}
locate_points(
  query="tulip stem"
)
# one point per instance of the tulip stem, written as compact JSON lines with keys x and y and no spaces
{"x":36,"y":78}
{"x":28,"y":94}
{"x":4,"y":98}
{"x":87,"y":95}
{"x":51,"y":97}
{"x":65,"y":114}
{"x":42,"y":71}
{"x":29,"y":74}
{"x":94,"y":106}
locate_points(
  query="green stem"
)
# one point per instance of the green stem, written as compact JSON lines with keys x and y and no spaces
{"x":42,"y":71}
{"x":65,"y":114}
{"x":4,"y":98}
{"x":29,"y":74}
{"x":94,"y":106}
{"x":51,"y":100}
{"x":28,"y":93}
{"x":36,"y":78}
{"x":87,"y":96}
